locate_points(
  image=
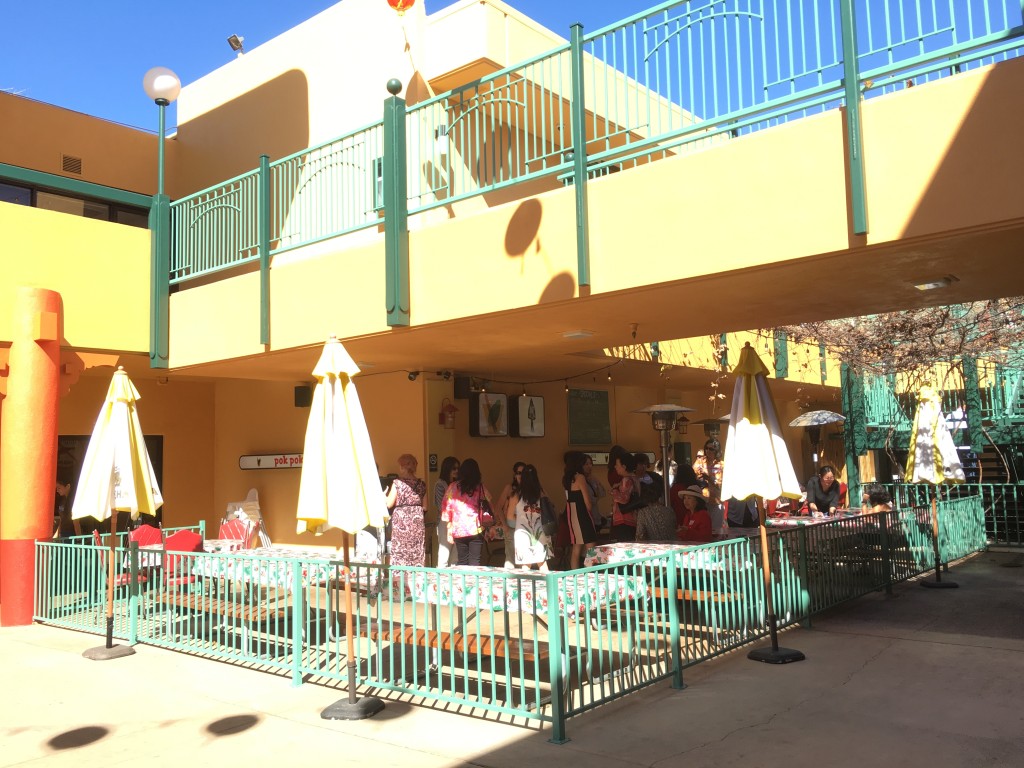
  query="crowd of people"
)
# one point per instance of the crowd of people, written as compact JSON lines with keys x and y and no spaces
{"x":473,"y":525}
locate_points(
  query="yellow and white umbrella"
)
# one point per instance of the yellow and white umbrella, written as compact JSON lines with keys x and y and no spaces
{"x":117,"y":476}
{"x":756,"y":460}
{"x":339,"y":487}
{"x":933,"y":458}
{"x":757,"y":463}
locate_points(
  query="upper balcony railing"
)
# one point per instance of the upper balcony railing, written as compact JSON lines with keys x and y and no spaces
{"x":673,"y":79}
{"x":887,"y":405}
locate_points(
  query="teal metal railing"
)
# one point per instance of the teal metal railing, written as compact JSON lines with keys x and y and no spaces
{"x":328,"y":190}
{"x":1000,"y":398}
{"x":1002,"y":505}
{"x":676,"y":78}
{"x":542,"y":646}
{"x":313,"y":195}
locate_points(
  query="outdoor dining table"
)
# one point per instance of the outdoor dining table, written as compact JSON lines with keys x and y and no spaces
{"x":498,"y":589}
{"x":697,"y":556}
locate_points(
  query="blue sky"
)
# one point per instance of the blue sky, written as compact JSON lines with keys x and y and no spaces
{"x":90,"y":57}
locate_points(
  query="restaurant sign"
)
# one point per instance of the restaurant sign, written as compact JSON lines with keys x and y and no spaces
{"x":271,"y":461}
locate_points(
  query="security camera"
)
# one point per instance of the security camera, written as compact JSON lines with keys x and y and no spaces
{"x":413,"y":375}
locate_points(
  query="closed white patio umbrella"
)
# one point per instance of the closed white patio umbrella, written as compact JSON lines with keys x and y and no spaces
{"x":757,"y":463}
{"x":117,"y":476}
{"x":339,"y":486}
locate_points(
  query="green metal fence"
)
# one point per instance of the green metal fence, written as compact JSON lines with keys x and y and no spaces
{"x":1002,"y":505}
{"x":540,"y":646}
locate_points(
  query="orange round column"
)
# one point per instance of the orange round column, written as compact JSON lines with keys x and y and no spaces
{"x":28,"y":446}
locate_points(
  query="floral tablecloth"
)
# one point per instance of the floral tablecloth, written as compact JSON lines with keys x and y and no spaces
{"x":795,"y":522}
{"x":271,"y":566}
{"x":497,"y":589}
{"x":693,"y":556}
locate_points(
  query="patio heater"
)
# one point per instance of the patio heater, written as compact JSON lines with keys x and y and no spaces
{"x":664,"y":418}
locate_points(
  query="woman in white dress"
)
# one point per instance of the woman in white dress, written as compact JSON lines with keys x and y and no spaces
{"x":532,"y":545}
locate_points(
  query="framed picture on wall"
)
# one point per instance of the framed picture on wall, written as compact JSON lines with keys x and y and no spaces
{"x":488,"y":414}
{"x":526,"y":416}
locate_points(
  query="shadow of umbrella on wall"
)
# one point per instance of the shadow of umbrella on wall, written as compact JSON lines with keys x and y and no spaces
{"x":757,"y":463}
{"x":117,"y":476}
{"x":814,"y":421}
{"x":933,"y":458}
{"x":339,"y":486}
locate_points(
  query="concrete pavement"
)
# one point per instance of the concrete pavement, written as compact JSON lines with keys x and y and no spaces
{"x":926,"y":678}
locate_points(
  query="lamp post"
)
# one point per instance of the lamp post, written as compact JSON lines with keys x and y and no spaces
{"x":163,"y":87}
{"x":664,"y":417}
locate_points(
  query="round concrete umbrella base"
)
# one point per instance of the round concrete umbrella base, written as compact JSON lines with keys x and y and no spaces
{"x":776,"y":655}
{"x":939,"y":584}
{"x":103,"y":653}
{"x":353,"y":710}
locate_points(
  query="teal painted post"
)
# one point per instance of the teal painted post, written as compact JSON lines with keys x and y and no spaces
{"x":579,"y":157}
{"x":781,"y":355}
{"x":805,"y":601}
{"x":298,"y":622}
{"x":133,"y":592}
{"x":854,"y":133}
{"x":263,"y":217}
{"x":886,"y":553}
{"x":852,"y":389}
{"x":723,"y":358}
{"x":673,"y":621}
{"x":396,"y":211}
{"x":972,"y":403}
{"x":821,"y":362}
{"x":556,"y":667}
{"x":160,"y":258}
{"x":159,"y":281}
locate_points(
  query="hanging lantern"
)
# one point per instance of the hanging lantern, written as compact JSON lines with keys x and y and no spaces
{"x":401,"y":6}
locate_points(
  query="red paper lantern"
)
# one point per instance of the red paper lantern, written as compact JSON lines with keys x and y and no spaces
{"x":401,"y":5}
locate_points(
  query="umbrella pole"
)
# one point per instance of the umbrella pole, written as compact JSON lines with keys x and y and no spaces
{"x":775,"y":654}
{"x":109,"y":650}
{"x":110,"y":578}
{"x":938,"y":583}
{"x":351,"y":708}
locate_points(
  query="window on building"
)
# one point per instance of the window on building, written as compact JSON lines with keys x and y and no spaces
{"x":87,"y":208}
{"x":11,"y":193}
{"x":132,"y":217}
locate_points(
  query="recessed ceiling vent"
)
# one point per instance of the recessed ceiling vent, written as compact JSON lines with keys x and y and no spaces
{"x":70,"y":164}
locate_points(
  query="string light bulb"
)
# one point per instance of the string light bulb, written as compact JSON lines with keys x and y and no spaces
{"x":567,"y":386}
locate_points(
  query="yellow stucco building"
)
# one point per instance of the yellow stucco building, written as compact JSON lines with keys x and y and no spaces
{"x":514,"y":261}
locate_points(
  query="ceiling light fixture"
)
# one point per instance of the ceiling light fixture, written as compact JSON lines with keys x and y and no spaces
{"x":578,"y":334}
{"x":942,"y":282}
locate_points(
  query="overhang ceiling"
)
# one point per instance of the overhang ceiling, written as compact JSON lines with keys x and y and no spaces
{"x":527,"y":345}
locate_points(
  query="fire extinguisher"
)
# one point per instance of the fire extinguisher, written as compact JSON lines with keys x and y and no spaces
{"x":446,"y":416}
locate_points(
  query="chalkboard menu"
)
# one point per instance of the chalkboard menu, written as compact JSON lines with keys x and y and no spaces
{"x":588,"y":417}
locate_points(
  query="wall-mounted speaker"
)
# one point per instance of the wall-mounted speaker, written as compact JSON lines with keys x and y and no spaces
{"x":462,"y":387}
{"x":303,"y":396}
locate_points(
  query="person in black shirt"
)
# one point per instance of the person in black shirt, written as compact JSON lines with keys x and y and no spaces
{"x":823,"y":492}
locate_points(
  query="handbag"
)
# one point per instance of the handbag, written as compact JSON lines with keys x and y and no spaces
{"x":483,"y":512}
{"x":548,"y":518}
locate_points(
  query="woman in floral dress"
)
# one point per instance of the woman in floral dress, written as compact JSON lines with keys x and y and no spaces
{"x":532,"y":545}
{"x":405,"y":498}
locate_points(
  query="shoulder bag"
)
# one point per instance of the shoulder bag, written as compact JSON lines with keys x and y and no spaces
{"x":483,"y":511}
{"x":548,"y":518}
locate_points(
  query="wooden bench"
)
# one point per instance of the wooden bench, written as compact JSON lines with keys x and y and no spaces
{"x":692,"y":595}
{"x":458,"y":643}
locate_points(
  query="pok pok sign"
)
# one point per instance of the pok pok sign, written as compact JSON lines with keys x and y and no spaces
{"x":271,"y":461}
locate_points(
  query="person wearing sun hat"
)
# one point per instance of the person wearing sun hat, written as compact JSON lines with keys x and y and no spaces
{"x":696,"y":523}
